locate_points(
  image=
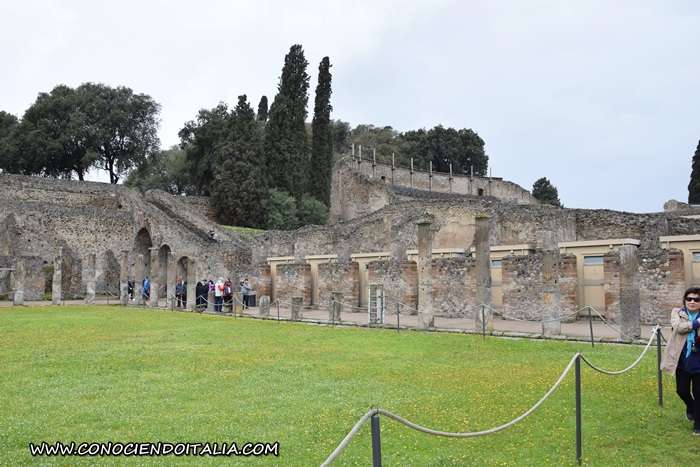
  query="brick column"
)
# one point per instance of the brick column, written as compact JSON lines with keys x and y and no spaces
{"x":124,"y":278}
{"x":425,"y":277}
{"x":630,"y":328}
{"x":551,"y":295}
{"x":483,"y":271}
{"x":18,"y":277}
{"x":90,"y":279}
{"x":56,"y":287}
{"x":139,"y":271}
{"x":154,"y":276}
{"x":191,"y":285}
{"x":171,"y":279}
{"x":335,"y":306}
{"x":264,"y":306}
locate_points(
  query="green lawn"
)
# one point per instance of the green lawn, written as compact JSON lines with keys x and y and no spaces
{"x":114,"y":374}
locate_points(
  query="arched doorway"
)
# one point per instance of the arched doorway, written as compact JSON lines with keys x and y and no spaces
{"x":164,"y":258}
{"x":142,"y":246}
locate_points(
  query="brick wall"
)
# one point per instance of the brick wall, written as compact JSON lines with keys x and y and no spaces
{"x":662,"y":283}
{"x":339,"y":277}
{"x":454,"y":287}
{"x":400,"y":280}
{"x":293,"y":280}
{"x":522,"y":285}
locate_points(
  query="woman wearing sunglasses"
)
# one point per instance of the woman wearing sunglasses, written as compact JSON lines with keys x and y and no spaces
{"x":683,"y":354}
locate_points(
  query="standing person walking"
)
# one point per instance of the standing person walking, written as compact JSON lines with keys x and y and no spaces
{"x":683,"y":354}
{"x":219,"y":295}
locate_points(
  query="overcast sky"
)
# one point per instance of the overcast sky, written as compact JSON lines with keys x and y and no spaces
{"x":601,"y":97}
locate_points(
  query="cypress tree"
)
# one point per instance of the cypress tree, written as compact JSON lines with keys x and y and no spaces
{"x":239,"y":193}
{"x":545,"y":192}
{"x":694,"y":185}
{"x":262,"y":109}
{"x":286,"y":148}
{"x":322,"y":137}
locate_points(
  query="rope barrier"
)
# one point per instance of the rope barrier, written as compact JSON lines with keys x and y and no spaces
{"x":635,"y":363}
{"x":378,"y":411}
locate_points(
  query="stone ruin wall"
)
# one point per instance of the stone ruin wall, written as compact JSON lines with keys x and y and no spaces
{"x":360,"y":188}
{"x":39,"y":215}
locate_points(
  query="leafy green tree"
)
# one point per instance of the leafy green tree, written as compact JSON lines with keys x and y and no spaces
{"x":311,"y":212}
{"x":281,"y":211}
{"x":204,"y":139}
{"x":341,"y":136}
{"x":262,"y":109}
{"x":164,"y":170}
{"x":545,"y":192}
{"x":124,"y":126}
{"x":382,"y":139}
{"x":9,"y":154}
{"x":239,"y":191}
{"x":322,"y":137}
{"x":56,"y":136}
{"x":694,"y":185}
{"x":285,"y":144}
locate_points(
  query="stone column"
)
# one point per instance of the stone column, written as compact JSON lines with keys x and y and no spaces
{"x":154,"y":277}
{"x":191,"y":285}
{"x":124,"y":278}
{"x":18,"y":276}
{"x":171,"y":279}
{"x":297,"y":302}
{"x":210,"y":300}
{"x":90,"y":279}
{"x":482,"y":246}
{"x":425,"y":273}
{"x":57,"y":284}
{"x":630,"y":328}
{"x":551,"y":294}
{"x":139,"y":271}
{"x":335,"y":307}
{"x":264,"y":306}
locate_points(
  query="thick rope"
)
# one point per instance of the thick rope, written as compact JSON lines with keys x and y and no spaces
{"x":344,"y":443}
{"x":635,"y":363}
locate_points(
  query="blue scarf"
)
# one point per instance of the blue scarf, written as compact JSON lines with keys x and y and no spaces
{"x":690,"y":340}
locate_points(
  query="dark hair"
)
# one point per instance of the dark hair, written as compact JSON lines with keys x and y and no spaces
{"x":688,"y":291}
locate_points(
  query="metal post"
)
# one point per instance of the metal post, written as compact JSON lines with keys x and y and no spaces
{"x":398,"y":317}
{"x":376,"y":442}
{"x":659,"y":375}
{"x":483,"y":322}
{"x":590,"y":325}
{"x":578,"y":409}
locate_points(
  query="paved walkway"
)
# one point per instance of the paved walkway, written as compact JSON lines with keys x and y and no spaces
{"x":579,"y":330}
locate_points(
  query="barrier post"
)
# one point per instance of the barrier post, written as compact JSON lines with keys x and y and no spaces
{"x":590,"y":325}
{"x":659,"y":375}
{"x":398,"y":317}
{"x":578,"y":410}
{"x":278,"y":310}
{"x":376,"y":442}
{"x":483,"y":322}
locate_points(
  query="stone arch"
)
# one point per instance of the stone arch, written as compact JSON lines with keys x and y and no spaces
{"x":142,"y":246}
{"x":181,"y":269}
{"x":164,"y":258}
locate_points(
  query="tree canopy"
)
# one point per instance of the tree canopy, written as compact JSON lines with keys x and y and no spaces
{"x":694,"y":185}
{"x":285,"y":143}
{"x":322,"y":136}
{"x":545,"y":192}
{"x":71,"y":130}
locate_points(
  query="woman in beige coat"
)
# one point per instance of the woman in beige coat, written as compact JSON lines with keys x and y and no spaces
{"x":683,"y":354}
